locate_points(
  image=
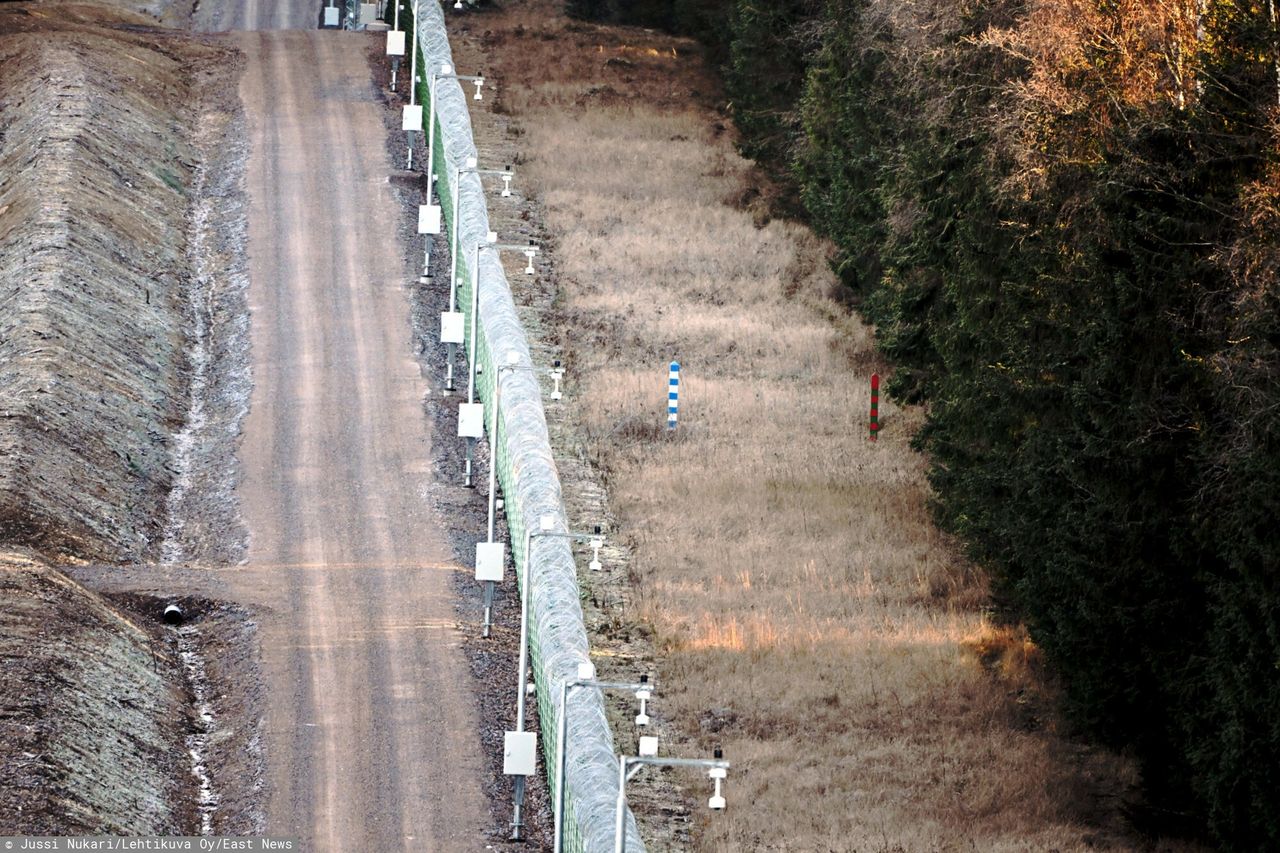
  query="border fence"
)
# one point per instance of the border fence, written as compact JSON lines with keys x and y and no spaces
{"x":527,"y":471}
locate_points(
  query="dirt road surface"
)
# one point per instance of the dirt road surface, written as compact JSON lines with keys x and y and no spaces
{"x":372,"y":740}
{"x":220,"y":15}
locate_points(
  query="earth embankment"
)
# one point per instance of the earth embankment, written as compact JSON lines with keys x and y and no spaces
{"x":90,"y":710}
{"x":119,"y":271}
{"x":96,"y":167}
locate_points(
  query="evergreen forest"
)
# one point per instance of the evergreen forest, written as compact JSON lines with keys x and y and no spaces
{"x":1063,"y":219}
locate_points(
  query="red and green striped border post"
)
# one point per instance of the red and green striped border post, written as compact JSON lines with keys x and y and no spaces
{"x":875,"y":405}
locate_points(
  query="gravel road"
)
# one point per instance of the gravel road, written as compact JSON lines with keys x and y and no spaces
{"x":222,"y":15}
{"x":372,"y":738}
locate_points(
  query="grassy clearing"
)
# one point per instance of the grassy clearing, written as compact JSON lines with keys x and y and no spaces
{"x":810,"y":617}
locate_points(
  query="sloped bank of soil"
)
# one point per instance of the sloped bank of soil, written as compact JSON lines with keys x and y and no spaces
{"x":90,"y":708}
{"x":114,"y":723}
{"x":97,"y":167}
{"x":123,"y":378}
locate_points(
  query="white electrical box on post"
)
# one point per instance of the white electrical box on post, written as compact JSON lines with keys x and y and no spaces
{"x":331,"y":16}
{"x":470,"y":420}
{"x":429,"y":219}
{"x":520,"y":753}
{"x":430,"y":223}
{"x":491,"y":560}
{"x":453,"y":327}
{"x":395,"y":43}
{"x":411,"y":117}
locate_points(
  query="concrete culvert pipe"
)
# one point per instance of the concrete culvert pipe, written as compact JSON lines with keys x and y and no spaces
{"x":173,"y":614}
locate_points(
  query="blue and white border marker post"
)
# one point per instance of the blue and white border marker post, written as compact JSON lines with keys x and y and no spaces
{"x":673,"y":395}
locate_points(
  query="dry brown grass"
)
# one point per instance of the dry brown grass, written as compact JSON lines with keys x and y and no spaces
{"x":811,"y":618}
